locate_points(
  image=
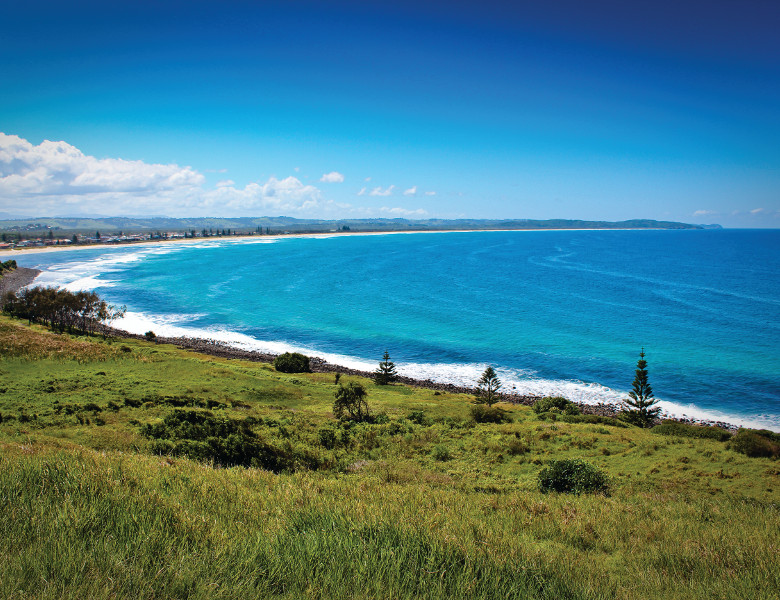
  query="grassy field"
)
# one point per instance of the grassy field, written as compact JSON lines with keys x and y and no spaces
{"x":97,"y":500}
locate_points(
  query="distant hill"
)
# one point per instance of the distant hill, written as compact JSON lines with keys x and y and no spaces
{"x":107,"y":225}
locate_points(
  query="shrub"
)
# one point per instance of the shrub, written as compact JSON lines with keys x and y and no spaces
{"x":756,"y":443}
{"x":351,"y":402}
{"x":517,"y":447}
{"x":224,"y":441}
{"x":482,"y":413}
{"x":556,"y":405}
{"x":694,"y":431}
{"x":573,"y":476}
{"x":150,"y":335}
{"x":441,"y":452}
{"x":328,"y":438}
{"x":419,"y":417}
{"x":292,"y":362}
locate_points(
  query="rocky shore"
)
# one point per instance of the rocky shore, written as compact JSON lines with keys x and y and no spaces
{"x":16,"y":279}
{"x":318,"y":365}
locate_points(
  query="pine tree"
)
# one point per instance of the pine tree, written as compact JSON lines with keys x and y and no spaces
{"x":640,"y":405}
{"x":487,"y":387}
{"x":386,"y":372}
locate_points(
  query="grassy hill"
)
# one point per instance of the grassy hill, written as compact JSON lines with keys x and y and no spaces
{"x":98,"y":500}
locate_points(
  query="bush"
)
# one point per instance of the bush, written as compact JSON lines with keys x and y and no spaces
{"x":694,"y":431}
{"x":572,"y":476}
{"x":556,"y":405}
{"x":150,"y":335}
{"x":441,"y":452}
{"x":351,"y":402}
{"x":225,"y":442}
{"x":292,"y":362}
{"x":419,"y":417}
{"x":482,"y":413}
{"x":756,"y":443}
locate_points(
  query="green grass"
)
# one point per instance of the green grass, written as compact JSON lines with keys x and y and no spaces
{"x":432,"y":506}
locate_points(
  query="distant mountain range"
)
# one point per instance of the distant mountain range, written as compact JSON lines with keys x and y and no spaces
{"x":289,"y":224}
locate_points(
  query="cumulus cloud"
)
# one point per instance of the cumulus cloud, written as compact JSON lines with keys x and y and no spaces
{"x":59,"y":168}
{"x":332,"y":177}
{"x":57,"y":178}
{"x":411,"y":191}
{"x":378,"y":191}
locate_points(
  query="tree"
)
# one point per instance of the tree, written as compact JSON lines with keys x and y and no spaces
{"x":640,"y":403}
{"x":386,"y":372}
{"x":351,"y":402}
{"x":292,"y":362}
{"x":487,"y":387}
{"x":97,"y":235}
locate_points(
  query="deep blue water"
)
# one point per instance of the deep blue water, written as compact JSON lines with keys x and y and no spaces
{"x":562,"y":312}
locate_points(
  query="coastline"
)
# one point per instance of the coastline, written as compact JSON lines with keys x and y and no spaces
{"x":319,"y":365}
{"x":604,"y":405}
{"x":16,"y":252}
{"x":17,"y":279}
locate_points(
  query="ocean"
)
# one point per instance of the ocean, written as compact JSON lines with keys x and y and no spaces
{"x":554,"y":312}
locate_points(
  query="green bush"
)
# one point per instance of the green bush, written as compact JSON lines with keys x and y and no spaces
{"x":694,"y":431}
{"x":481,"y":413}
{"x":573,"y":476}
{"x":419,"y":417}
{"x":756,"y":443}
{"x":226,"y":442}
{"x":441,"y":452}
{"x":292,"y":362}
{"x":556,"y":405}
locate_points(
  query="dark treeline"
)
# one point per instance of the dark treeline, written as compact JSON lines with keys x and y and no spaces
{"x":60,"y":309}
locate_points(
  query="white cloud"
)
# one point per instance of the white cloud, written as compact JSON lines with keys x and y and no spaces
{"x":703,"y":213}
{"x":411,"y":191}
{"x":378,"y":191}
{"x":430,"y":193}
{"x":362,"y":192}
{"x":332,"y":177}
{"x":57,"y":178}
{"x":59,"y":168}
{"x":406,"y":212}
{"x":756,"y":211}
{"x":367,"y":179}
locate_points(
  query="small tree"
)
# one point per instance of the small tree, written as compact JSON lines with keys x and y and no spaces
{"x":640,"y":405}
{"x":386,"y":372}
{"x":487,"y":387}
{"x":351,"y":402}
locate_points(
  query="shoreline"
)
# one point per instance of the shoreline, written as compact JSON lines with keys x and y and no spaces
{"x":17,"y":279}
{"x":16,"y":252}
{"x":26,"y":276}
{"x":319,"y":365}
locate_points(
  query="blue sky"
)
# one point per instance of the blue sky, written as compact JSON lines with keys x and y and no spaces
{"x":600,"y":110}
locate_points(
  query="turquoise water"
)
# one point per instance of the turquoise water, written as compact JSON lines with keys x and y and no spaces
{"x":557,"y":312}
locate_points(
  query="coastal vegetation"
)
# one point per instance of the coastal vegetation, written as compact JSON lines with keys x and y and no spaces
{"x":132,"y":468}
{"x":640,"y":405}
{"x":385,"y":373}
{"x":292,"y":362}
